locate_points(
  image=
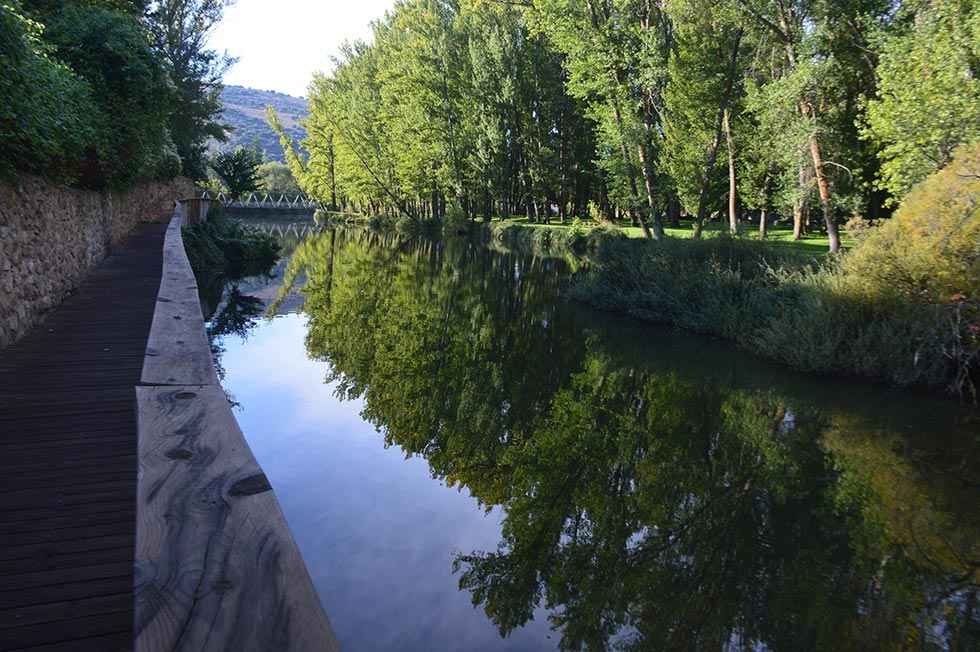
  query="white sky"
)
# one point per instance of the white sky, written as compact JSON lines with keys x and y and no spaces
{"x":281,"y":43}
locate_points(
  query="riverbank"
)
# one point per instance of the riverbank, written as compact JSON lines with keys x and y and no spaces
{"x":812,"y":317}
{"x":779,"y":236}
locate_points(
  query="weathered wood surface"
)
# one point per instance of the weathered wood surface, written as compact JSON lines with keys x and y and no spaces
{"x":175,"y":353}
{"x":217,"y":567}
{"x":68,"y":460}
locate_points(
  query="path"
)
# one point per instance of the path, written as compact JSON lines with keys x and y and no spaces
{"x":68,"y":460}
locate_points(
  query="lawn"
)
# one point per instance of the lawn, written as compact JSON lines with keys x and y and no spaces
{"x":780,"y":235}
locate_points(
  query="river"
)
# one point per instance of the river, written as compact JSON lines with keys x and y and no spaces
{"x":470,"y":461}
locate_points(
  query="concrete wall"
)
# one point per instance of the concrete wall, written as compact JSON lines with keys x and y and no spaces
{"x":51,"y":236}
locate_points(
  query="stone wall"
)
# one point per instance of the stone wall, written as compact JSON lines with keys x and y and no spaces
{"x":51,"y":236}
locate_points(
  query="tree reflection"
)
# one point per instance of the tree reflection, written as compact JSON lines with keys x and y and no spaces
{"x":647,"y":505}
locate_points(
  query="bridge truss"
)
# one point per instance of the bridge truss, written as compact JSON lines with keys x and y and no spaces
{"x":265,"y":200}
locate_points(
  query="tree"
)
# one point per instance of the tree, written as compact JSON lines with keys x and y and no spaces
{"x":238,"y":170}
{"x":703,"y":90}
{"x":130,"y":87}
{"x":928,"y":99}
{"x":180,"y":29}
{"x":45,"y":108}
{"x":276,"y":177}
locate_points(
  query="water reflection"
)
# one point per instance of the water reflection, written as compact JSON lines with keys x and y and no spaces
{"x":658,"y":491}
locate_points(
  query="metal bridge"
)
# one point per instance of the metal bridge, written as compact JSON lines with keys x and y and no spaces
{"x":274,"y":201}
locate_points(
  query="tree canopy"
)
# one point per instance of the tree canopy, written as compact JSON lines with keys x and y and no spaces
{"x":645,"y":110}
{"x":107,"y":92}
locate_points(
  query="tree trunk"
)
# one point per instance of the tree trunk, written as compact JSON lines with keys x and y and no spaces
{"x":824,"y":188}
{"x":658,"y":226}
{"x":674,"y":211}
{"x":630,"y":172}
{"x":763,"y":227}
{"x":712,"y":155}
{"x":808,"y":112}
{"x":732,"y":210}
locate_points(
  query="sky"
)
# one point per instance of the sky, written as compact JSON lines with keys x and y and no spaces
{"x":281,"y":44}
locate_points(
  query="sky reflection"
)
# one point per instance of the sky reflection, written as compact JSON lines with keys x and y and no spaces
{"x":377,"y":531}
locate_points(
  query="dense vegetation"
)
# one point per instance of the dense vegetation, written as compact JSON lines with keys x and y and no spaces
{"x":655,"y":496}
{"x":646,"y":110}
{"x":226,"y":247}
{"x":646,"y":113}
{"x":887,"y":310}
{"x":106,"y":92}
{"x":244,"y":111}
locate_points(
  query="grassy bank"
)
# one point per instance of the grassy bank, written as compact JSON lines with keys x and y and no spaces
{"x":779,"y":237}
{"x":903,"y":305}
{"x":812,"y":317}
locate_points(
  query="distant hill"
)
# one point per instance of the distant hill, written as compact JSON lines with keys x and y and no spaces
{"x":245,"y":112}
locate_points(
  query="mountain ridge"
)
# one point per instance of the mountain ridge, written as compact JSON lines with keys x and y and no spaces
{"x":244,"y":111}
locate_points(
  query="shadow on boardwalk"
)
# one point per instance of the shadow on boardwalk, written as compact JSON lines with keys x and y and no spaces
{"x":68,"y":460}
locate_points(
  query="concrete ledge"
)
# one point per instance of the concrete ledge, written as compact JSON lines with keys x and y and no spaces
{"x":216,"y":564}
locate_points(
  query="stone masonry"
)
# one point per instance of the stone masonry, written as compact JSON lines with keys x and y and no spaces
{"x":51,"y":236}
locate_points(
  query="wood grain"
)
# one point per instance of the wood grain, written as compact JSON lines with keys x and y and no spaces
{"x":216,"y":564}
{"x":177,"y":352}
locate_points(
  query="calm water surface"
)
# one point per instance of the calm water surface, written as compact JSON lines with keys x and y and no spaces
{"x":468,"y":461}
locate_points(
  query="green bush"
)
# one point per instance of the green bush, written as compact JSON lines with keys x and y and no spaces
{"x":225,"y":246}
{"x":832,"y":317}
{"x":130,"y":86}
{"x":85,"y":98}
{"x":930,"y":250}
{"x":45,"y":109}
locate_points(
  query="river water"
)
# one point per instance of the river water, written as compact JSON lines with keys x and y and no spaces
{"x":469,"y":461}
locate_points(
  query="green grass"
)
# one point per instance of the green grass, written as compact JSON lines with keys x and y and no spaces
{"x":780,"y":236}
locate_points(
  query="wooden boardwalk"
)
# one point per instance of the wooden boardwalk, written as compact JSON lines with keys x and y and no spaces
{"x":68,"y":460}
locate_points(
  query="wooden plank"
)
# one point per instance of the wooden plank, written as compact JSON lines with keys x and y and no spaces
{"x":79,"y":542}
{"x":29,"y":636}
{"x":42,"y":562}
{"x":53,"y":611}
{"x":217,"y":568}
{"x":175,"y":351}
{"x":65,"y":591}
{"x":68,"y":459}
{"x":121,"y":642}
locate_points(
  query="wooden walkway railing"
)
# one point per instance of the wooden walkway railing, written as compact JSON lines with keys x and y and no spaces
{"x":217,"y":567}
{"x":85,"y":482}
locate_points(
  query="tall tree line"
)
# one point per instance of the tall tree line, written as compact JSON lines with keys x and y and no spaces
{"x":643,"y":109}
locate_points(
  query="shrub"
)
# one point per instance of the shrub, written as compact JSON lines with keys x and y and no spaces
{"x":130,"y":88}
{"x":930,"y":250}
{"x":824,"y":317}
{"x":45,"y":109}
{"x":225,"y":246}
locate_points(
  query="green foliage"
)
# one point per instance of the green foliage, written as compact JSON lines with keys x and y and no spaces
{"x":107,"y":92}
{"x":928,"y":91}
{"x":130,"y":86}
{"x":276,"y":177}
{"x":45,"y":108}
{"x":817,"y":318}
{"x":228,"y":247}
{"x":929,"y":252}
{"x":179,"y":30}
{"x":238,"y":170}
